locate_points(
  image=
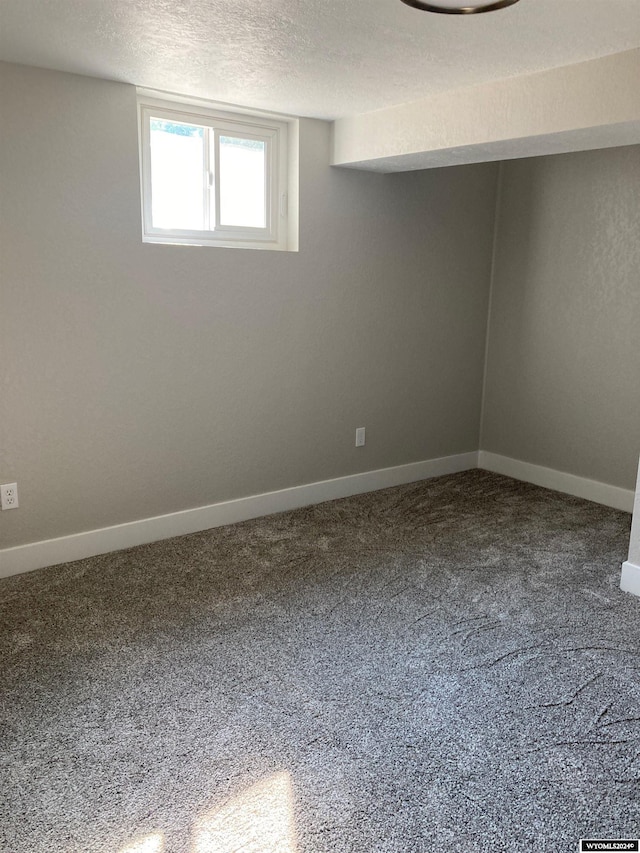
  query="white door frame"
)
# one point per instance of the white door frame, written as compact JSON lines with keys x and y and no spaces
{"x":630,"y":581}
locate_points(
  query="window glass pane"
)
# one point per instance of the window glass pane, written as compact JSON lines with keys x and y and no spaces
{"x":177,"y":175}
{"x":242,"y":182}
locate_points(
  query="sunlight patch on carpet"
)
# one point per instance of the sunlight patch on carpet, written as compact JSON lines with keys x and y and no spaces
{"x":259,"y":819}
{"x":149,"y":844}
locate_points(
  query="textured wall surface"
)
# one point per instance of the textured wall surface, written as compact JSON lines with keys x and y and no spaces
{"x":143,"y":379}
{"x":563,"y":370}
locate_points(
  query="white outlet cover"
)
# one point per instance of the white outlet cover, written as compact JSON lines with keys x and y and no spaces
{"x":9,"y":496}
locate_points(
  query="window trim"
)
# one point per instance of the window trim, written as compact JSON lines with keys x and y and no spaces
{"x":272,"y":130}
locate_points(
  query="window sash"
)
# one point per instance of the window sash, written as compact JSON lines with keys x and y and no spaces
{"x":216,"y":125}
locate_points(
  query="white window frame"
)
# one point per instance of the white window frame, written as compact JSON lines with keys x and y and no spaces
{"x":265,"y":129}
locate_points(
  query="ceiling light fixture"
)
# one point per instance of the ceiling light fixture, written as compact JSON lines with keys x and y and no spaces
{"x":454,"y":7}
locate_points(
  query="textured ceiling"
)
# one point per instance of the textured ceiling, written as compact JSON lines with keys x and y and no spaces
{"x":309,"y":57}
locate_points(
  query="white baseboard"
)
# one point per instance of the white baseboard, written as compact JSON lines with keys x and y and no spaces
{"x":78,"y":546}
{"x":630,"y":581}
{"x":559,"y":481}
{"x":36,"y":555}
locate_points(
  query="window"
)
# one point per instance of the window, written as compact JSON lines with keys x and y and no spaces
{"x":213,"y":178}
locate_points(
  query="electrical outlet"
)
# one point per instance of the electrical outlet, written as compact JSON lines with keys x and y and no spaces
{"x":360,"y":437}
{"x":9,"y":496}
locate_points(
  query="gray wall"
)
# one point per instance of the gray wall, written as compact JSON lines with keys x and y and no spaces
{"x":563,"y":370}
{"x":141,"y":379}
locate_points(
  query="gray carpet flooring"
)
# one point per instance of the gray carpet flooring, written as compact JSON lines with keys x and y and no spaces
{"x":444,"y":666}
